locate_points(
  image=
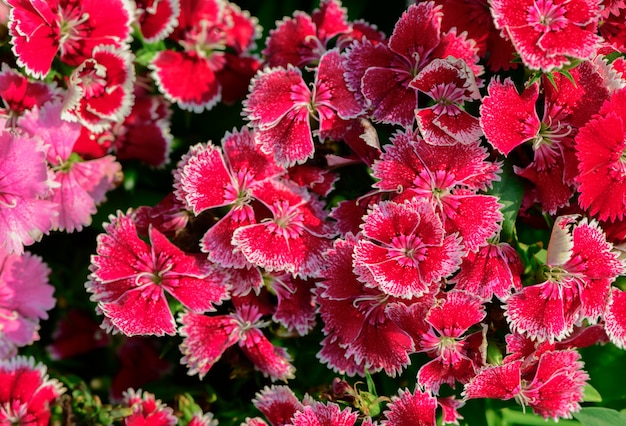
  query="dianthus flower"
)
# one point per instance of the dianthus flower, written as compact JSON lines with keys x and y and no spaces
{"x":449,"y":83}
{"x":25,"y":214}
{"x":25,"y":298}
{"x":355,"y":319}
{"x":157,"y":18}
{"x":147,"y":410}
{"x":129,"y":279}
{"x":302,"y":39}
{"x":449,"y":177}
{"x":580,"y":267}
{"x":281,"y":107}
{"x":26,"y":392}
{"x":404,"y":249}
{"x":80,"y":185}
{"x":215,"y":37}
{"x":601,"y":151}
{"x":552,"y":387}
{"x":381,"y":72}
{"x":440,"y":332}
{"x":100,"y":89}
{"x":205,"y":338}
{"x":20,"y":95}
{"x":71,"y":28}
{"x":547,"y":34}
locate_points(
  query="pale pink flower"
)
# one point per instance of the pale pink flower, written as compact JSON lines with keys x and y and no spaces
{"x":80,"y":185}
{"x":25,"y":298}
{"x":25,"y":214}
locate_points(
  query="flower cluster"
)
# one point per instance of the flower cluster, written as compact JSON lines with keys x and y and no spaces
{"x":444,"y":206}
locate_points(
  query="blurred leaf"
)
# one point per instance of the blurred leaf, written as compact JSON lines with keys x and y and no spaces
{"x":599,"y":416}
{"x":510,"y":190}
{"x":514,"y":417}
{"x":591,"y":394}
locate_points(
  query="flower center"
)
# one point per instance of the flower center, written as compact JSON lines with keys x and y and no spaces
{"x":72,"y":30}
{"x":546,"y":16}
{"x":288,"y":220}
{"x":407,"y":250}
{"x":447,"y":98}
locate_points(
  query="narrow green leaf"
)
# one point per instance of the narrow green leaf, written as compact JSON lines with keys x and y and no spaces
{"x":529,"y":419}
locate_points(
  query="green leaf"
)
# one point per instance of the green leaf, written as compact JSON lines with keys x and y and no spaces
{"x":591,"y":394}
{"x":514,"y":417}
{"x":510,"y":190}
{"x":599,"y":416}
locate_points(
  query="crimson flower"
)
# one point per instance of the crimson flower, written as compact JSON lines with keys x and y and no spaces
{"x":281,"y":107}
{"x":548,"y":33}
{"x":449,"y":177}
{"x":580,"y":267}
{"x":601,"y":150}
{"x":71,"y":28}
{"x":215,"y":38}
{"x":147,"y":410}
{"x":27,"y":392}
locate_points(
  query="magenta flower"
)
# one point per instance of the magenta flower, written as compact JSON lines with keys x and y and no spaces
{"x":553,"y":387}
{"x":100,"y":89}
{"x":147,"y":410}
{"x":580,"y":268}
{"x":615,"y":317}
{"x":277,"y":403}
{"x":381,"y":73}
{"x":411,"y":409}
{"x":25,"y":214}
{"x":405,"y":249}
{"x":293,"y":238}
{"x":205,"y":338}
{"x":41,"y":30}
{"x":80,"y":185}
{"x":449,"y":83}
{"x":129,"y":279}
{"x":25,"y":298}
{"x":235,"y":170}
{"x":449,"y":177}
{"x":441,"y":333}
{"x":329,"y":414}
{"x":600,"y":148}
{"x":510,"y":119}
{"x":547,"y":34}
{"x":355,"y":319}
{"x":495,"y":269}
{"x":27,"y":392}
{"x":281,"y":106}
{"x":215,"y":37}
